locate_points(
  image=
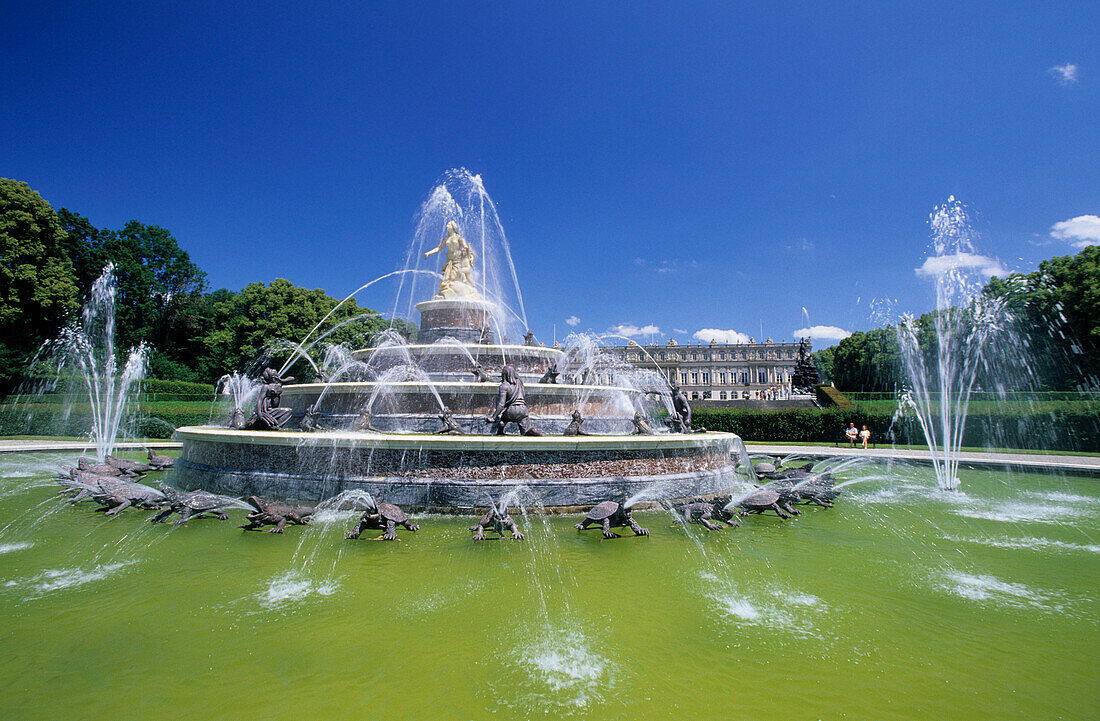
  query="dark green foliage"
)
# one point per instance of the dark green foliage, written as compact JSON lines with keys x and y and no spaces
{"x":1058,"y":306}
{"x":37,"y":290}
{"x":868,"y":361}
{"x":154,"y":419}
{"x":153,"y":389}
{"x":244,"y":323}
{"x":823,"y":359}
{"x":160,"y":297}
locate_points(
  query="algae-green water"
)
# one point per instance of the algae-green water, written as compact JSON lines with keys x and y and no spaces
{"x":902,"y":602}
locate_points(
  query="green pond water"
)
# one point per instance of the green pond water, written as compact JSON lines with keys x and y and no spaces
{"x":902,"y":602}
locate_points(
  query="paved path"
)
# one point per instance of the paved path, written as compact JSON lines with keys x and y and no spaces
{"x":1076,"y":464}
{"x":18,"y":446}
{"x":1089,"y":465}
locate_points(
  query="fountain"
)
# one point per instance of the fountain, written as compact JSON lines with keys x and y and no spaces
{"x":84,"y":362}
{"x":942,"y":373}
{"x":410,"y":422}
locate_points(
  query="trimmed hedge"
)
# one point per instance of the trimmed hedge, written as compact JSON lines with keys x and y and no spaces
{"x":155,"y":420}
{"x":1069,"y":429}
{"x":1073,"y":429}
{"x":183,"y":388}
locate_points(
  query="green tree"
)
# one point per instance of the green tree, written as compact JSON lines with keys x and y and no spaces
{"x":160,"y":297}
{"x":867,"y":362}
{"x":1057,"y":313}
{"x":262,"y":323}
{"x":37,"y":286}
{"x":823,"y":359}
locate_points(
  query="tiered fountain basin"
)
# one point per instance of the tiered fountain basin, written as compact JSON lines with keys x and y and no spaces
{"x":453,"y":360}
{"x":454,"y":473}
{"x":412,"y":407}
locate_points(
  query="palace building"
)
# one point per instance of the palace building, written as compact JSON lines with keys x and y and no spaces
{"x":717,"y":372}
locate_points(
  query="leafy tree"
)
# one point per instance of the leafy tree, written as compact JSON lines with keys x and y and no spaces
{"x":1057,"y":312}
{"x":264,"y":322}
{"x":823,"y":359}
{"x":867,"y":362}
{"x":37,"y":287}
{"x":160,"y":290}
{"x":83,"y":244}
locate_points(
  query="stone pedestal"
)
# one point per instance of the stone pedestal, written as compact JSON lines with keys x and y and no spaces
{"x":460,"y":318}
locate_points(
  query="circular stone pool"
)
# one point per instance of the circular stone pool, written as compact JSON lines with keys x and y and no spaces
{"x":902,"y":602}
{"x":433,"y":472}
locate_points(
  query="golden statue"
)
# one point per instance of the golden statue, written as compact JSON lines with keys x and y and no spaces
{"x":456,"y":280}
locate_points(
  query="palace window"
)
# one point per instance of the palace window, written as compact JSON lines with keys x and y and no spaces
{"x":694,"y":396}
{"x":722,"y":379}
{"x":762,"y":377}
{"x":706,"y":379}
{"x":721,"y":395}
{"x":695,"y":379}
{"x":683,"y":379}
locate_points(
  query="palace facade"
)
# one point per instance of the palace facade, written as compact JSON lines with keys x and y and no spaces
{"x":717,"y":372}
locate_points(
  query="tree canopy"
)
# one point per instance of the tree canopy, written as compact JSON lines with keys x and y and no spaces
{"x":37,"y":287}
{"x":1058,"y":306}
{"x":49,"y":261}
{"x":277,"y":316}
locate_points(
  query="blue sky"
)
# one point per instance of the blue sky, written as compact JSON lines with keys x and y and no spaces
{"x":683,"y":166}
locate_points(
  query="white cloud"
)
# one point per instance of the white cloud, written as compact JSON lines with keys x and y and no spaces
{"x":1065,"y":74}
{"x":573,"y":321}
{"x":1082,"y":231}
{"x":801,"y":244}
{"x":822,"y":332}
{"x":706,"y":335}
{"x":632,"y":331}
{"x":681,"y":331}
{"x":669,"y":265}
{"x":940,"y":264}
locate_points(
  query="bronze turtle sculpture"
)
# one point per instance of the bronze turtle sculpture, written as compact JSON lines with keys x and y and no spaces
{"x":705,"y":513}
{"x":275,"y":513}
{"x":788,"y":494}
{"x":612,"y":514}
{"x":384,"y":516}
{"x":159,"y":462}
{"x":759,"y":501}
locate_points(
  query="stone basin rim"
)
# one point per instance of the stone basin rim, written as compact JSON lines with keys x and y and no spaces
{"x":494,"y":349}
{"x":442,"y":442}
{"x":416,"y":386}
